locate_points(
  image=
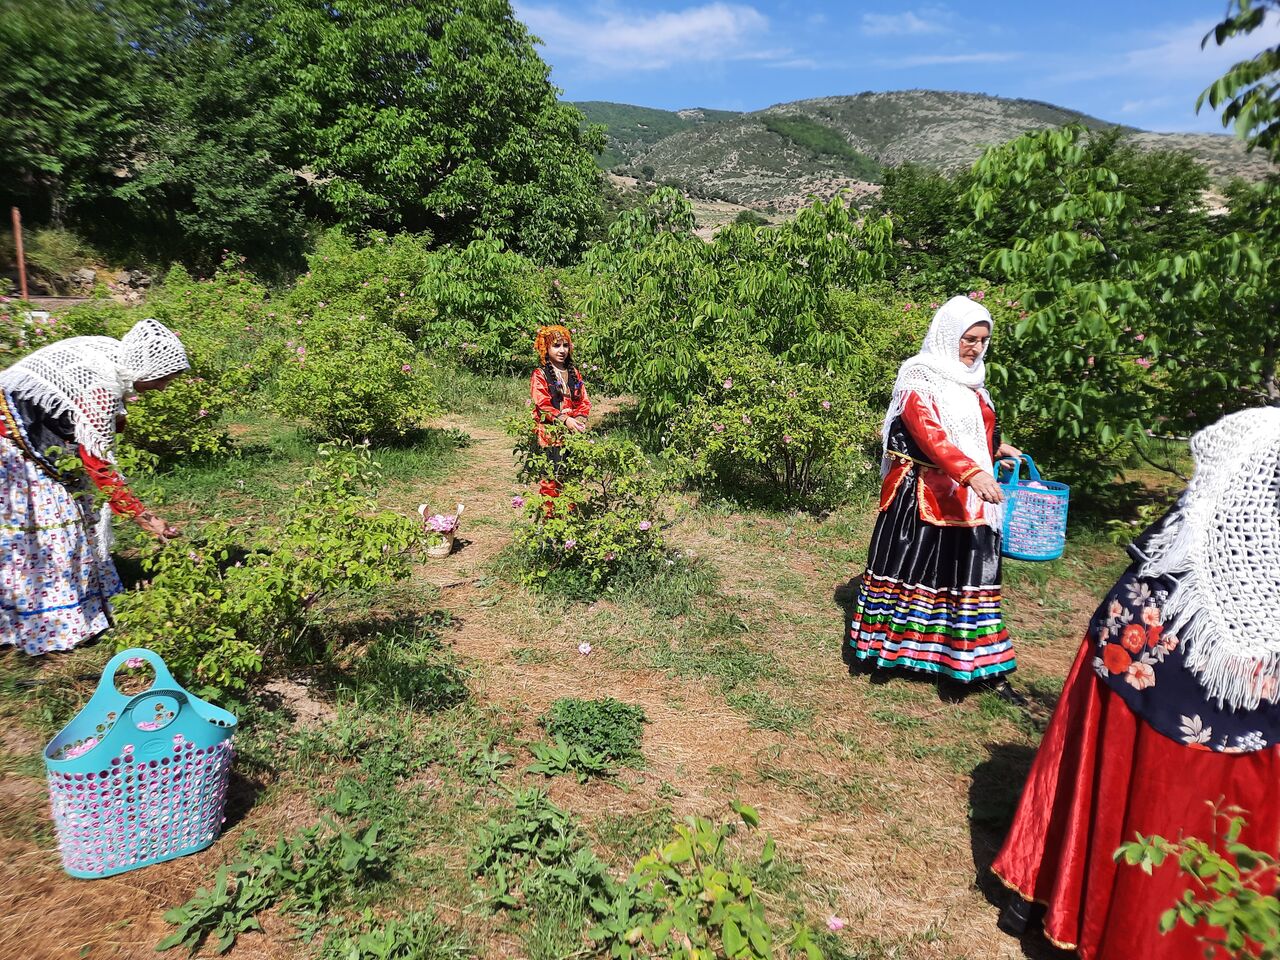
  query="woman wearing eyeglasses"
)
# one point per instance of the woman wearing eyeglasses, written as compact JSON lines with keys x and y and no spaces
{"x":929,"y":600}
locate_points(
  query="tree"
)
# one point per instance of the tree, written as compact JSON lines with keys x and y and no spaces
{"x":70,"y":99}
{"x":436,"y":115}
{"x":1248,"y":93}
{"x":210,"y":170}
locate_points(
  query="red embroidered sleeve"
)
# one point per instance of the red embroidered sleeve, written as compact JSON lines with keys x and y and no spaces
{"x":105,"y":478}
{"x":922,"y":423}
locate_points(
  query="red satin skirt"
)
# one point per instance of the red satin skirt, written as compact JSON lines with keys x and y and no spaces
{"x":1101,"y":776}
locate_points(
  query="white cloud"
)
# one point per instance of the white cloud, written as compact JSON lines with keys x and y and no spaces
{"x":1176,"y":54}
{"x":942,"y":59}
{"x":907,"y":22}
{"x":708,"y":33}
{"x":1150,"y":103}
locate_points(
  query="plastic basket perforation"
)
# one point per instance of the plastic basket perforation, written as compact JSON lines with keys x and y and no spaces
{"x":137,"y":780}
{"x":1035,"y":513}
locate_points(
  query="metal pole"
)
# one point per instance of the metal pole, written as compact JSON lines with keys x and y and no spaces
{"x":22,"y":260}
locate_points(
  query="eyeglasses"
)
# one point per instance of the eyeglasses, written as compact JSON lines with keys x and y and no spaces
{"x":975,"y":341}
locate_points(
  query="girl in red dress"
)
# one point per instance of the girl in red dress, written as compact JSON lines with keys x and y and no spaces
{"x":1173,"y":704}
{"x":559,"y":397}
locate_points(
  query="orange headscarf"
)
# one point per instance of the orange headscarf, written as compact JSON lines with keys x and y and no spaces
{"x":548,"y":336}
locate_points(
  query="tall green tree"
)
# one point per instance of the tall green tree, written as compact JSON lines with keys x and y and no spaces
{"x":436,"y":115}
{"x":70,"y":103}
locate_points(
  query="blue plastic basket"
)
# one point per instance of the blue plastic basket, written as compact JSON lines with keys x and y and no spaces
{"x":1035,"y":513}
{"x":137,"y":780}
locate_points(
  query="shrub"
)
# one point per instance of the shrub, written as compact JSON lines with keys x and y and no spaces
{"x":488,"y":304}
{"x":605,"y":727}
{"x":1233,"y":887}
{"x":690,"y":900}
{"x":21,"y":333}
{"x":372,"y":282}
{"x":216,"y":611}
{"x":605,"y":517}
{"x":352,"y":378}
{"x":774,"y":426}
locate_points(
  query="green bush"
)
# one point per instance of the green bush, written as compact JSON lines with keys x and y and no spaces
{"x":374,"y":282}
{"x":488,"y":304}
{"x":218,"y":607}
{"x":604,"y":520}
{"x":605,"y":727}
{"x":352,"y":378}
{"x":690,"y":900}
{"x":1231,"y":892}
{"x":776,"y":428}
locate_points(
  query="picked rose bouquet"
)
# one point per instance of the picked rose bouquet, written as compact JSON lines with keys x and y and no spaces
{"x":440,"y":527}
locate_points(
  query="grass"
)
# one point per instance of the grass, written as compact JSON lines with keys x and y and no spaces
{"x":410,"y":715}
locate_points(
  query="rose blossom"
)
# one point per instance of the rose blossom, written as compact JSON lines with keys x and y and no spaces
{"x":570,"y":543}
{"x":834,"y":923}
{"x":645,"y":524}
{"x":517,"y":502}
{"x":584,"y":648}
{"x":826,"y":404}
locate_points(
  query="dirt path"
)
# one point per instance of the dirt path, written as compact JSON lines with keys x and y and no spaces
{"x":885,"y":840}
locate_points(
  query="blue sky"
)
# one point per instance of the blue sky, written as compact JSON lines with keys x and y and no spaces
{"x":1136,"y":62}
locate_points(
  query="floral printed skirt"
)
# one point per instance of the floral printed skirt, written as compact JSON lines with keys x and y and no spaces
{"x":1101,"y":776}
{"x":54,"y":589}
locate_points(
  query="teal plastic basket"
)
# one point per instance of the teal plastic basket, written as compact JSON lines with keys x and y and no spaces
{"x":1035,"y":512}
{"x":138,"y":780}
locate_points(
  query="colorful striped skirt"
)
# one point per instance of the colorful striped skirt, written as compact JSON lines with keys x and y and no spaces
{"x":54,"y":588}
{"x":930,"y":598}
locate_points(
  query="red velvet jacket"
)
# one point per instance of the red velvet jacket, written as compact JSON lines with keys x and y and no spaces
{"x":545,"y":411}
{"x":942,"y":493}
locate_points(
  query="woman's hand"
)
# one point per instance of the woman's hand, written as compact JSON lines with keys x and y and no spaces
{"x":1007,"y":451}
{"x":574,"y":424}
{"x":157,"y":527}
{"x":985,"y":486}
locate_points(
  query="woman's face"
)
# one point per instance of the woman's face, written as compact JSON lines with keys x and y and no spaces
{"x":559,"y":352}
{"x":143,"y":386}
{"x":973,"y":342}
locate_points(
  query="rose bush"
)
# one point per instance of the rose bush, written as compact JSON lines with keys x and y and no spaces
{"x":352,"y":378}
{"x":218,"y":606}
{"x":771,"y":426}
{"x":605,"y":519}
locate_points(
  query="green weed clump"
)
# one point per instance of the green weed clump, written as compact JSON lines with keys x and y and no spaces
{"x":414,"y":936}
{"x":532,"y":852}
{"x":215,"y":607}
{"x":606,"y":727}
{"x":305,"y":873}
{"x":691,"y":900}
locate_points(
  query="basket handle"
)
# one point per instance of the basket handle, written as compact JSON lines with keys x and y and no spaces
{"x":1013,"y":480}
{"x":163,"y":676}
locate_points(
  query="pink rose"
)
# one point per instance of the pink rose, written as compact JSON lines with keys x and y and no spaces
{"x":835,"y":924}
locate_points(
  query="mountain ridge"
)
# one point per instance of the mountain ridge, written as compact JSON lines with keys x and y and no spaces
{"x":777,"y":156}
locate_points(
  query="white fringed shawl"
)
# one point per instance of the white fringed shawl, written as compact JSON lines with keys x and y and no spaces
{"x":1222,"y":545}
{"x":937,"y":375}
{"x":86,"y":378}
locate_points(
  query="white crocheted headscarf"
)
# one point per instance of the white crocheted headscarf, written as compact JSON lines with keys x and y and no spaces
{"x":88,"y":377}
{"x":1222,"y":544}
{"x":939,"y":377}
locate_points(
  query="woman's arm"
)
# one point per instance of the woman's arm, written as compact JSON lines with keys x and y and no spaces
{"x":122,"y":500}
{"x":922,"y":423}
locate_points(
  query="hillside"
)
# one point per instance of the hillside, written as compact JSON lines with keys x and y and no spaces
{"x":777,"y":156}
{"x":631,"y":129}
